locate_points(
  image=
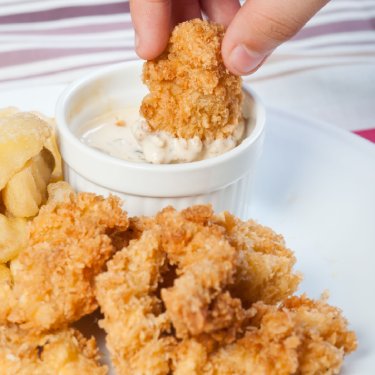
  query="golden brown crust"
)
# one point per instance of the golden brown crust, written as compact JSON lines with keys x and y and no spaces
{"x":184,"y":296}
{"x":191,"y":91}
{"x":52,"y":279}
{"x":61,"y":352}
{"x":173,"y":303}
{"x":205,"y":262}
{"x":137,"y":327}
{"x":265,"y":266}
{"x":301,"y":336}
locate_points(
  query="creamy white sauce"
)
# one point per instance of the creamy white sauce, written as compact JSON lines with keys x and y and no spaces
{"x":125,"y":135}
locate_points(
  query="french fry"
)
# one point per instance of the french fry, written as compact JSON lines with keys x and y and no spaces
{"x":27,"y":189}
{"x":22,"y":136}
{"x":29,"y":161}
{"x":51,"y":145}
{"x":13,"y":237}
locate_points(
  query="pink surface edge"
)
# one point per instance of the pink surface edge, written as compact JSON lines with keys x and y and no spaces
{"x":368,"y":134}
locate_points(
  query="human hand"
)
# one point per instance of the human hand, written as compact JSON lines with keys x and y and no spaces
{"x":253,"y":30}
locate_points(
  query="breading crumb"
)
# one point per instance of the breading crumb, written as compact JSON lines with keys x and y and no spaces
{"x":191,"y":91}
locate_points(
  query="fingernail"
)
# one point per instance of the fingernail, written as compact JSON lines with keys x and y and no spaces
{"x":243,"y":60}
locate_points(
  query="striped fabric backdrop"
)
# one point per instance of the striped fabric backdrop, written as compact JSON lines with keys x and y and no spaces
{"x":52,"y":41}
{"x":55,"y":41}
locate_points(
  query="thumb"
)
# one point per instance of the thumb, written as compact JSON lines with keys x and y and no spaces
{"x":259,"y":27}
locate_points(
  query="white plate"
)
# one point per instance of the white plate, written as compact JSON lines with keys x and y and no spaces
{"x":316,"y":186}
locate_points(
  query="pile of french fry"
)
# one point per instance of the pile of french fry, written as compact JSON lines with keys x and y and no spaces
{"x":29,"y":161}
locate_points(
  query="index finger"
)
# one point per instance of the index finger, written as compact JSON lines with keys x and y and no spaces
{"x":152,"y":23}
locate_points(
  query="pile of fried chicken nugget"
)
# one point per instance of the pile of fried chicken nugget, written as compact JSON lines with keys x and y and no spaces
{"x":184,"y":292}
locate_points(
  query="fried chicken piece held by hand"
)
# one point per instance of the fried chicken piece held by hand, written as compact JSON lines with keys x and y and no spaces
{"x":191,"y":91}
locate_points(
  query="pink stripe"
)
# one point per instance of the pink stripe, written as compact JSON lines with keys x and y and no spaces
{"x":68,"y":12}
{"x":53,"y":72}
{"x":95,"y":28}
{"x":10,"y":58}
{"x":336,"y":27}
{"x":369,"y":134}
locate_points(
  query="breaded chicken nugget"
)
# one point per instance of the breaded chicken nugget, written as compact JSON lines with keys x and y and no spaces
{"x":301,"y":336}
{"x":198,"y":302}
{"x":191,"y":91}
{"x":137,"y":328}
{"x":64,"y":352}
{"x":265,"y":268}
{"x":52,"y":279}
{"x":221,"y":258}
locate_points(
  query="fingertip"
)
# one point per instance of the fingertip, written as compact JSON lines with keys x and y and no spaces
{"x":151,"y":20}
{"x":242,"y":61}
{"x":259,"y":27}
{"x":148,"y":50}
{"x":149,"y":44}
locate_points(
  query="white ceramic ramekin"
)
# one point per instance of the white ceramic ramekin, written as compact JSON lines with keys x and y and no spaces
{"x":224,"y":181}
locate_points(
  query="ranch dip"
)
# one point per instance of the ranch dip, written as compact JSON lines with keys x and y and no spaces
{"x":125,"y":135}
